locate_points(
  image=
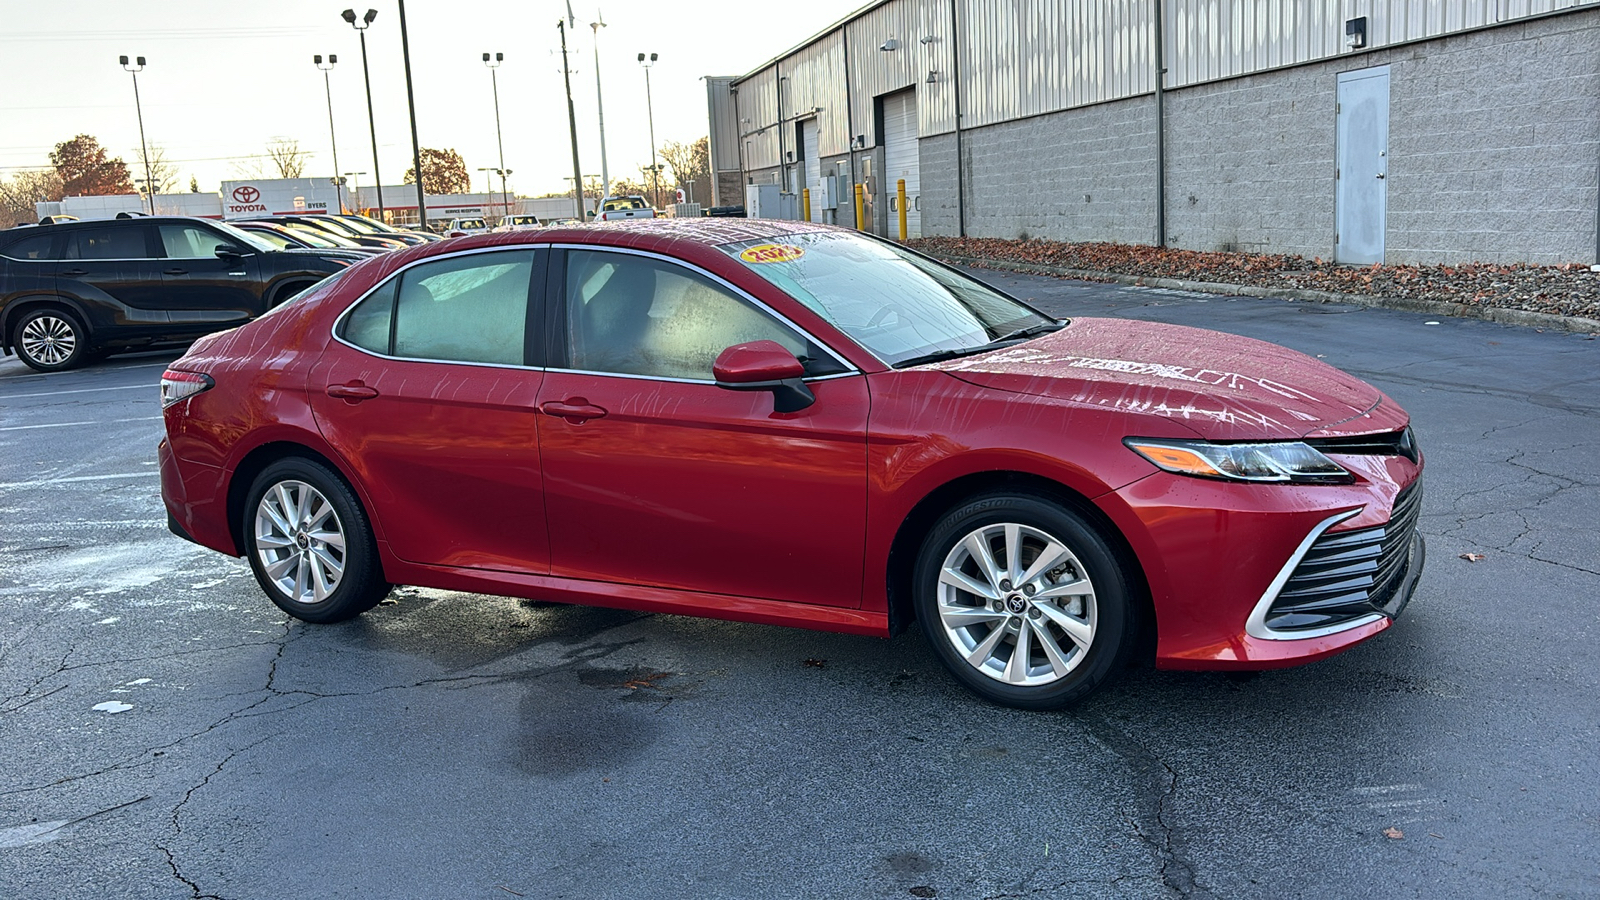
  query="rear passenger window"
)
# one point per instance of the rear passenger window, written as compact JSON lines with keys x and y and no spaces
{"x":36,"y":247}
{"x":468,"y":309}
{"x":107,"y":243}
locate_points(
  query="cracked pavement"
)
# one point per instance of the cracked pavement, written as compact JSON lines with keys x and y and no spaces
{"x":166,"y":733}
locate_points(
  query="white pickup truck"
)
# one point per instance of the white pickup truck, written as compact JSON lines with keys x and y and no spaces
{"x":615,"y":209}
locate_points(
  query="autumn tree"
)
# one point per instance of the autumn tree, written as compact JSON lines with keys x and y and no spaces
{"x":20,"y":192}
{"x":86,"y":171}
{"x":285,"y":154}
{"x":443,"y":172}
{"x":691,"y":167}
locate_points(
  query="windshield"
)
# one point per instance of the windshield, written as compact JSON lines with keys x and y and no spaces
{"x":337,"y":226}
{"x":245,"y":237}
{"x":361,"y":223}
{"x":280,"y":241}
{"x":316,"y":237}
{"x":896,"y":304}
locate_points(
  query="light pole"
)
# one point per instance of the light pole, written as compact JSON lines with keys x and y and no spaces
{"x":600,"y":106}
{"x":349,"y":15}
{"x":499,"y":142}
{"x":572,"y":123}
{"x":655,"y":170}
{"x":411,"y":107}
{"x":144,"y":149}
{"x":333,"y":139}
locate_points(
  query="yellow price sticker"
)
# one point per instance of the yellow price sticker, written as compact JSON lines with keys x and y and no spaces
{"x":771,"y":253}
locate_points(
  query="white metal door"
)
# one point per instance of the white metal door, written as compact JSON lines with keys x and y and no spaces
{"x":900,"y":161}
{"x":813,"y":166}
{"x":1362,"y":165}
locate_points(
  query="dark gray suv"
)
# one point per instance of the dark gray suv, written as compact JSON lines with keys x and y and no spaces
{"x":73,"y":292}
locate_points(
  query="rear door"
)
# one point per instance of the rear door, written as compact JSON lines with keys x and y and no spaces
{"x":115,"y":265}
{"x":428,"y":392}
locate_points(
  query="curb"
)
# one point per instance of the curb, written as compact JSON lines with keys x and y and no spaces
{"x":1574,"y":324}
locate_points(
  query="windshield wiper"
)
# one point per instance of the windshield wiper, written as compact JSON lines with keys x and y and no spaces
{"x":1031,"y":331}
{"x":942,"y":355}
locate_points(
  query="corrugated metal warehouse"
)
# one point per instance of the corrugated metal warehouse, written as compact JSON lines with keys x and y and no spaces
{"x":1405,"y":131}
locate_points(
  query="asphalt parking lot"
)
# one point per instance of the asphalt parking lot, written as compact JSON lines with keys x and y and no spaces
{"x":165,"y":732}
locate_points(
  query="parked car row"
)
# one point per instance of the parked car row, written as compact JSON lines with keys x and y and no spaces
{"x":74,"y":291}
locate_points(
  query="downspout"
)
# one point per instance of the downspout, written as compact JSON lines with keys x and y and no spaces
{"x":1161,"y":132}
{"x":955,"y":83}
{"x":849,"y":119}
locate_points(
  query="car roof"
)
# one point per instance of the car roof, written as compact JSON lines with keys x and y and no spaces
{"x":711,"y":232}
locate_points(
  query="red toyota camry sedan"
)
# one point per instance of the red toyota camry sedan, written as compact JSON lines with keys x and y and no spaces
{"x":797,"y":425}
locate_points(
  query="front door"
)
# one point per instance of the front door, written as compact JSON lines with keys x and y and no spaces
{"x":1362,"y":168}
{"x":655,"y":476}
{"x":429,"y":393}
{"x":201,"y":286}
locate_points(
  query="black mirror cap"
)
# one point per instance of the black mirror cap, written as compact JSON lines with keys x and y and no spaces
{"x":788,"y":394}
{"x":228,"y":251}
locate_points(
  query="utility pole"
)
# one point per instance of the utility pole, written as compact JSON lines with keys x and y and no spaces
{"x":411,"y":105}
{"x":572,"y":123}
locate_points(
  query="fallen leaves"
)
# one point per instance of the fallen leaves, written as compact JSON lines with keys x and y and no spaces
{"x":1473,"y":557}
{"x":647,"y":681}
{"x":815,"y":663}
{"x":1393,"y":833}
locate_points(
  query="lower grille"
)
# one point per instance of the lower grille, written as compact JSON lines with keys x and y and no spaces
{"x":1350,"y":574}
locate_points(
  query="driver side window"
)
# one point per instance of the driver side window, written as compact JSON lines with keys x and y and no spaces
{"x":640,"y":316}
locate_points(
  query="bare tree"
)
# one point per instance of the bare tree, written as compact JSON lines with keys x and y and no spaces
{"x":20,"y":192}
{"x":286,"y":155}
{"x":163,"y":173}
{"x":691,"y":167}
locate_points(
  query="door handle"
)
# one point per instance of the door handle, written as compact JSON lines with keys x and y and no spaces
{"x":575,"y":410}
{"x":352,"y":393}
{"x":73,"y":273}
{"x":175,"y":271}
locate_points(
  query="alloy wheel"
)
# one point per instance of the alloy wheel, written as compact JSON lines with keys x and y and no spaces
{"x":1017,"y":604}
{"x":299,"y":541}
{"x":48,"y":340}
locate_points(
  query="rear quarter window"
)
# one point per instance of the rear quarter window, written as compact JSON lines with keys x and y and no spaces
{"x":35,"y":247}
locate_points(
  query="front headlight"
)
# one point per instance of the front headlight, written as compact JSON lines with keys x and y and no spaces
{"x":1279,"y":461}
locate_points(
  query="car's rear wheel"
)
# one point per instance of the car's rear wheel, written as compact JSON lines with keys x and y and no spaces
{"x":50,"y":340}
{"x":1024,"y":601}
{"x":309,"y":543}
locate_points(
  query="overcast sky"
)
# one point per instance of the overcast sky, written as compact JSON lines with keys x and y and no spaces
{"x":225,"y":78}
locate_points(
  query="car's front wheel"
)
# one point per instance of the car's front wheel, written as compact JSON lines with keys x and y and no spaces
{"x":1023,"y":601}
{"x":309,"y":543}
{"x":50,"y":340}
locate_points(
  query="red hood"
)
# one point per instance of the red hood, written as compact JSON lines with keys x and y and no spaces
{"x":1222,"y":386}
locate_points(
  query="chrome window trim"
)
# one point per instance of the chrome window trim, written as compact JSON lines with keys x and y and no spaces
{"x":338,"y":321}
{"x":1256,"y":625}
{"x":815,"y":378}
{"x":851,"y":369}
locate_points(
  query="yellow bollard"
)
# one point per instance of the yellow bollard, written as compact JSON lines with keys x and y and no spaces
{"x":861,"y":205}
{"x":900,"y":196}
{"x":805,"y":204}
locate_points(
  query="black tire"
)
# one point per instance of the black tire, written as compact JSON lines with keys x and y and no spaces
{"x":1102,"y":617}
{"x":51,"y":339}
{"x":293,"y":564}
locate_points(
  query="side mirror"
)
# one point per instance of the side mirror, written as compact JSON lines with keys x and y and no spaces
{"x":228,"y":251}
{"x":764,"y":366}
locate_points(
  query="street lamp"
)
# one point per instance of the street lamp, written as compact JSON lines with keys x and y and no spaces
{"x":498,"y":141}
{"x":600,"y":105}
{"x":349,"y":15}
{"x":332,"y":137}
{"x":149,"y":182}
{"x":411,"y":107}
{"x":655,"y":170}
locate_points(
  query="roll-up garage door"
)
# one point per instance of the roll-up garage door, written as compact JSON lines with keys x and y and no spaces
{"x":813,"y":168}
{"x":900,"y":160}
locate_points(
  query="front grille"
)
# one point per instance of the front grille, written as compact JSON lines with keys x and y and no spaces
{"x":1350,"y":574}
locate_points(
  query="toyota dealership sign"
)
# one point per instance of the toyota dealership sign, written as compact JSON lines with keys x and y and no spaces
{"x":279,"y":196}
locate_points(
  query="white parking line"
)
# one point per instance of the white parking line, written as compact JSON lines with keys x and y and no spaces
{"x":50,"y":481}
{"x":152,"y":388}
{"x":71,"y":424}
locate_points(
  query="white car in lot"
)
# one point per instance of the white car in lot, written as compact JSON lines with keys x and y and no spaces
{"x":518,"y":223}
{"x":616,"y":209}
{"x":464,"y":227}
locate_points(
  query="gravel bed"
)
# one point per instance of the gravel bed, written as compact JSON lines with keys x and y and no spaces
{"x":1566,"y":290}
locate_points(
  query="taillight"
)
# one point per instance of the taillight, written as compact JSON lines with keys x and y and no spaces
{"x":179,"y":385}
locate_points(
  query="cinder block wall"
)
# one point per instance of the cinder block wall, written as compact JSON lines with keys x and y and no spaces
{"x":1494,"y":150}
{"x":1081,"y":175}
